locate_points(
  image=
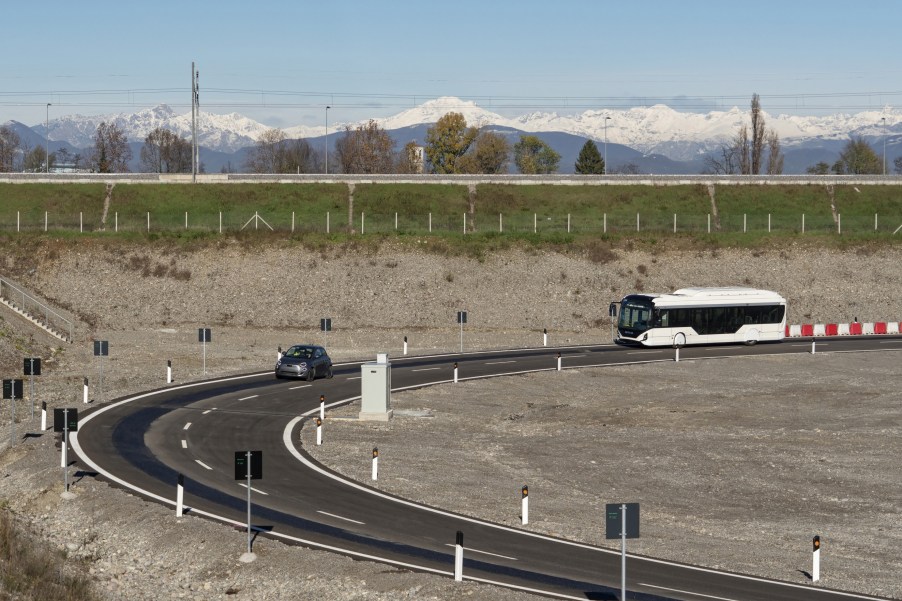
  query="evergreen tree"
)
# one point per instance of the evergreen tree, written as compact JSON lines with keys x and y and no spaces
{"x":589,"y":161}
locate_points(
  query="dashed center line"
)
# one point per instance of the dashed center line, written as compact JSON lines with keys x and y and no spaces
{"x":209,"y":410}
{"x":470,"y":550}
{"x":304,"y":386}
{"x":247,"y":398}
{"x":184,"y":444}
{"x":676,"y":590}
{"x":202,"y":464}
{"x":354,"y":378}
{"x":188,"y":425}
{"x":499,"y":362}
{"x":426,"y":369}
{"x":254,"y":489}
{"x":568,"y":356}
{"x":338,"y":517}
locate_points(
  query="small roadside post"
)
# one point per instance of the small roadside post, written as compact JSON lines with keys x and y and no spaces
{"x":461,"y":319}
{"x":816,"y":559}
{"x":325,"y":326}
{"x":12,"y":389}
{"x":65,"y":420}
{"x":204,"y":335}
{"x":622,"y":521}
{"x":32,"y":368}
{"x":248,"y":466}
{"x":612,"y":312}
{"x":101,"y":349}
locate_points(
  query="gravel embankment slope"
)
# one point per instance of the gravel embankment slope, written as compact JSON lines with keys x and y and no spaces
{"x":149,"y":302}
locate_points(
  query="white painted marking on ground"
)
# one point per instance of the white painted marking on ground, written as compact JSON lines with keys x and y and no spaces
{"x":304,"y":386}
{"x":676,"y":590}
{"x":355,"y":378}
{"x":891,"y":342}
{"x":184,"y":444}
{"x":202,"y":464}
{"x":338,"y":517}
{"x":254,"y":489}
{"x":568,"y":356}
{"x":247,"y":398}
{"x":209,"y":410}
{"x":188,"y":425}
{"x":499,"y":362}
{"x":471,"y":550}
{"x":642,"y":352}
{"x":426,"y":369}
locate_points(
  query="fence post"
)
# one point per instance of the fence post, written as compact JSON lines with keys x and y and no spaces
{"x":500,"y":224}
{"x":709,"y":223}
{"x":568,"y":223}
{"x":81,"y":222}
{"x":803,"y":223}
{"x":148,"y":221}
{"x":430,"y":223}
{"x":768,"y":223}
{"x":45,"y":221}
{"x":605,"y":229}
{"x":637,"y":222}
{"x":535,"y":223}
{"x":396,"y":221}
{"x":839,"y":223}
{"x":875,"y":222}
{"x":220,"y":222}
{"x":674,"y":223}
{"x":327,"y":222}
{"x":744,"y":222}
{"x":292,"y":222}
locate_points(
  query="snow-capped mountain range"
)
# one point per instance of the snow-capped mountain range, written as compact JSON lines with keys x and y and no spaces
{"x":658,"y":129}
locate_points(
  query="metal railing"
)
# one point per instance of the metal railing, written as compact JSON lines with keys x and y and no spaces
{"x":19,"y":299}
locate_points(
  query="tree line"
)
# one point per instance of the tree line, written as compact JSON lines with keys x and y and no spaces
{"x":451,"y":147}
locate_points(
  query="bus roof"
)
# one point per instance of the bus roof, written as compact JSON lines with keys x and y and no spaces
{"x":728,"y":295}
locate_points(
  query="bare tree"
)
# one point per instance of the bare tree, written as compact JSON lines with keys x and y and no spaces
{"x":165,"y":152}
{"x":366,"y":149}
{"x":111,"y":151}
{"x":758,"y":135}
{"x":265,"y":157}
{"x":724,"y":164}
{"x":741,"y":143}
{"x":9,"y":147}
{"x":774,"y":154}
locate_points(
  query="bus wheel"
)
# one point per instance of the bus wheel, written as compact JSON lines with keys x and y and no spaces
{"x":679,"y":340}
{"x":751,"y":338}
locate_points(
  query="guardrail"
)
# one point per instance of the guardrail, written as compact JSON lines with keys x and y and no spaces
{"x":32,"y":308}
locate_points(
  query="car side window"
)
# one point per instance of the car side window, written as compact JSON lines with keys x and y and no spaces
{"x":319,"y":353}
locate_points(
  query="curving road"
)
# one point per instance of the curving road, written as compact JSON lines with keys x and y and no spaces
{"x":143,"y":442}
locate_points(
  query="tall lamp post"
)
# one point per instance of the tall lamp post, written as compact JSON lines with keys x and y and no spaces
{"x":884,"y":146}
{"x":606,"y":119}
{"x":47,"y":141}
{"x":327,"y":138}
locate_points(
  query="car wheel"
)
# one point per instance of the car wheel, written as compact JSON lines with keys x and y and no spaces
{"x":329,"y":373}
{"x":311,"y":374}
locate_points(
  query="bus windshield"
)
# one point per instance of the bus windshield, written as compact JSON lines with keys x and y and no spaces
{"x":635,"y":315}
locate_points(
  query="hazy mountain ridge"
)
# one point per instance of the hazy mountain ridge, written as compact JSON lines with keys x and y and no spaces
{"x":658,"y":138}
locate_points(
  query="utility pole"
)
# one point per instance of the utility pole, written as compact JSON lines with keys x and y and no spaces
{"x":195,"y":109}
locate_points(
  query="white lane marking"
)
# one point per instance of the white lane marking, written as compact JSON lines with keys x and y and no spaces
{"x":471,"y":550}
{"x":808,"y":345}
{"x":247,"y":398}
{"x":355,"y":378}
{"x":890,"y":341}
{"x":202,"y":464}
{"x":209,"y":410}
{"x":676,"y":590}
{"x":304,"y":386}
{"x":426,"y":369}
{"x":640,"y":352}
{"x":188,"y":425}
{"x":254,"y":489}
{"x":568,"y":356}
{"x":184,"y":444}
{"x":338,"y":517}
{"x":498,"y":362}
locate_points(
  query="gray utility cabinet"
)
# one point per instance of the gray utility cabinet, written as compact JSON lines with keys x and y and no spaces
{"x":375,"y":390}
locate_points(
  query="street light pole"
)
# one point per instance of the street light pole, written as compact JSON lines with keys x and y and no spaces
{"x":327,"y":138}
{"x":47,"y":141}
{"x":884,"y":146}
{"x":606,"y":119}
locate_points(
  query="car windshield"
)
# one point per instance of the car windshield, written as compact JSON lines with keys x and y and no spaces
{"x":300,"y":352}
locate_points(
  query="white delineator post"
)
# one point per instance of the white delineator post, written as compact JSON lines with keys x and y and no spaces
{"x":559,"y":362}
{"x":545,"y":337}
{"x":43,"y":415}
{"x":812,"y":345}
{"x":525,"y":508}
{"x":180,"y":496}
{"x":455,"y":373}
{"x":319,"y":432}
{"x":405,"y":345}
{"x":676,"y":355}
{"x":169,"y":371}
{"x":86,"y":391}
{"x":459,"y":557}
{"x":375,"y":463}
{"x":322,"y":406}
{"x":816,"y":559}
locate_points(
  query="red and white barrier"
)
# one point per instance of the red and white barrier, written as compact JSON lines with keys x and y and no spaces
{"x":843,"y":329}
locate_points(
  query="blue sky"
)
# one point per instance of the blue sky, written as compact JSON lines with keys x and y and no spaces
{"x":281,"y":62}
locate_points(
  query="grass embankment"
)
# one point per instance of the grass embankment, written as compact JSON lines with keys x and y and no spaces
{"x":31,"y":571}
{"x":497,"y":216}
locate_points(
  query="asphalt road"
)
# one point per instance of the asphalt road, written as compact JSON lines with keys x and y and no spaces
{"x":144,"y":442}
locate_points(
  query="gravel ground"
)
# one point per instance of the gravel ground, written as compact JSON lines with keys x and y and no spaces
{"x":753,"y":467}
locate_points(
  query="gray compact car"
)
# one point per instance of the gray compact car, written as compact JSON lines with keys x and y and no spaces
{"x":304,"y":361}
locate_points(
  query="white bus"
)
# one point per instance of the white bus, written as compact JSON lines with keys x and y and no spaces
{"x":701,"y":316}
